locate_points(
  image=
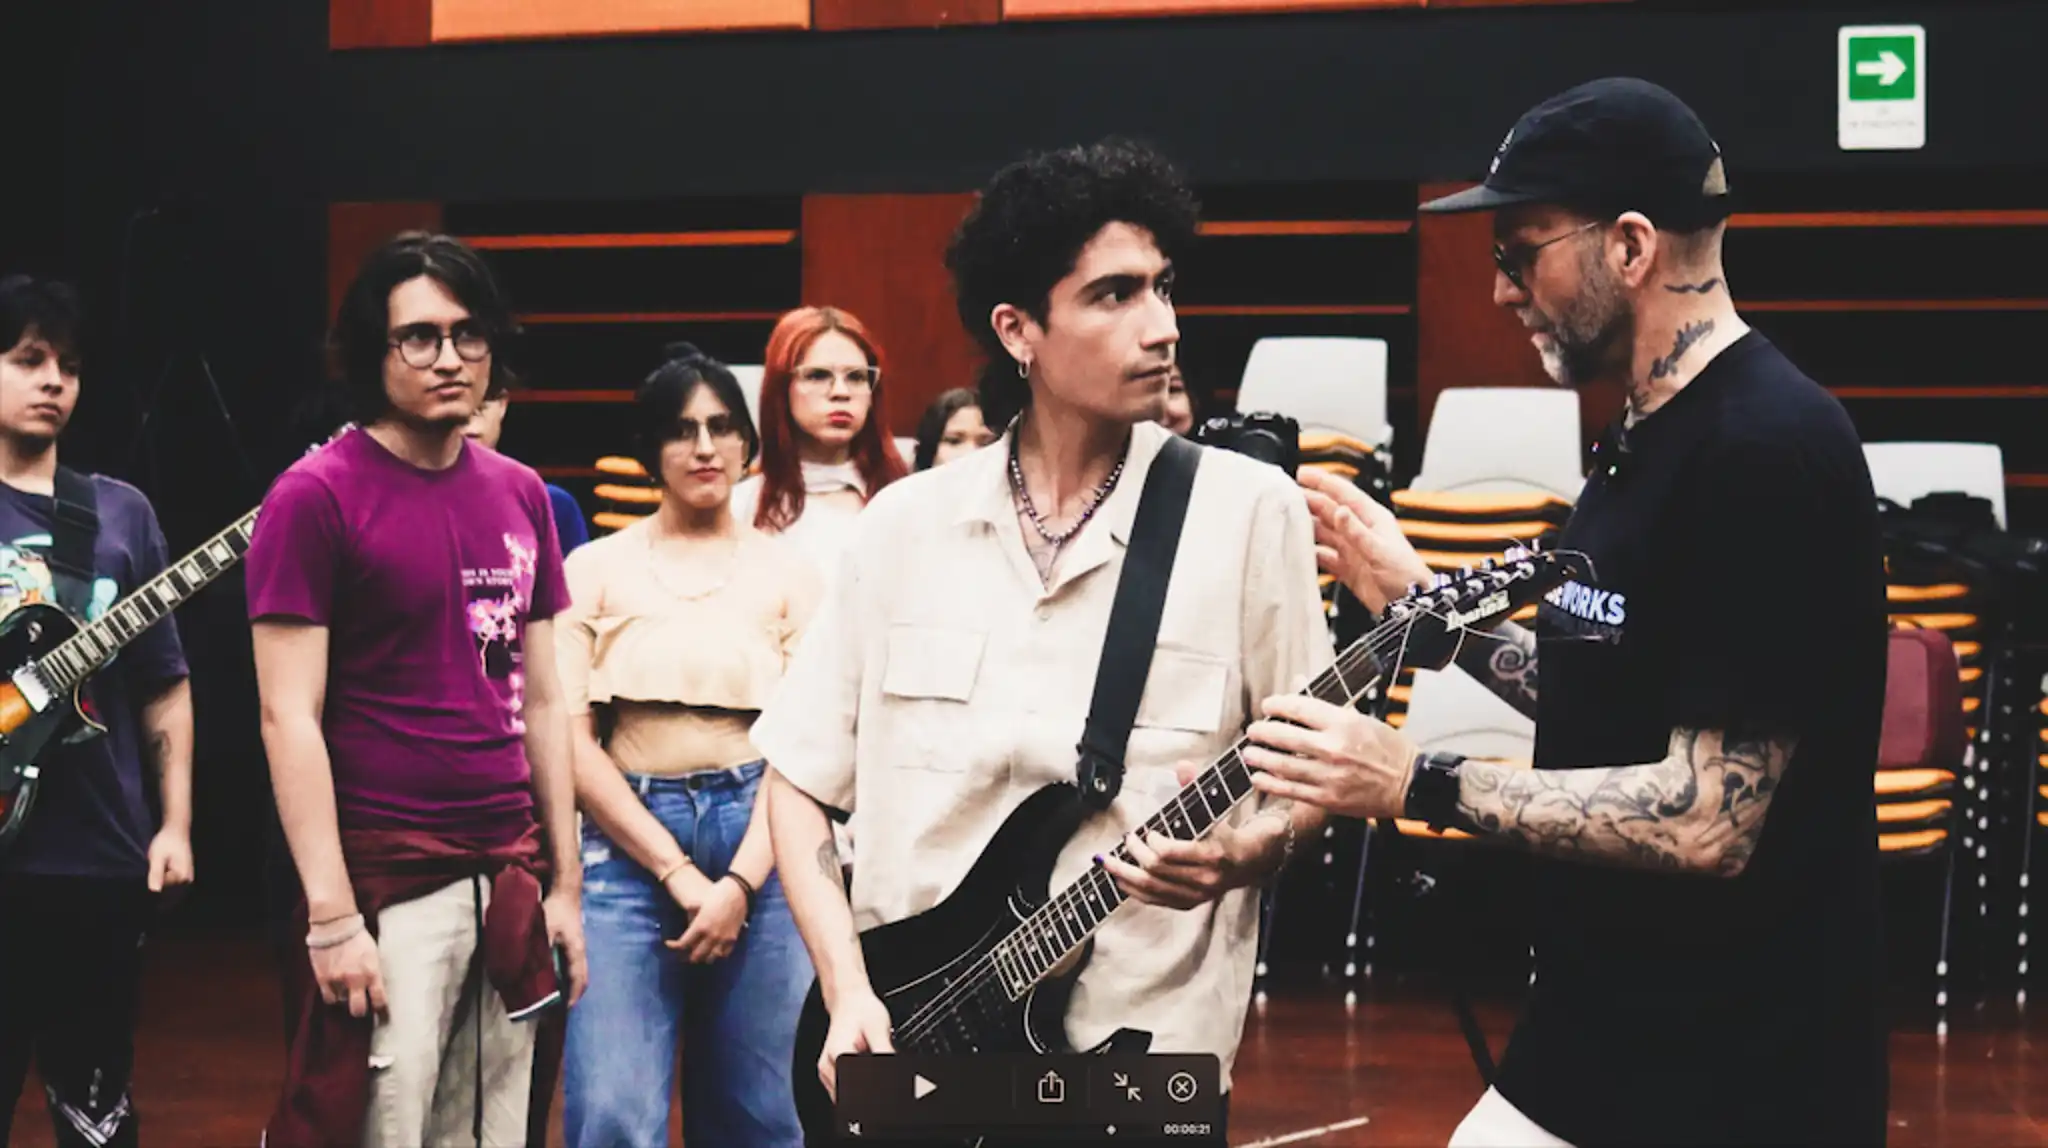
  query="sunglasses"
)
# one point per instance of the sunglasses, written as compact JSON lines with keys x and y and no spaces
{"x":1515,"y":262}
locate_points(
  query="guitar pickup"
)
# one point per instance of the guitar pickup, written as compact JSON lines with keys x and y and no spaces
{"x":31,"y":687}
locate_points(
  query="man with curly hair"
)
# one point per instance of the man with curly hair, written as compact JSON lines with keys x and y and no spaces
{"x":948,"y":675}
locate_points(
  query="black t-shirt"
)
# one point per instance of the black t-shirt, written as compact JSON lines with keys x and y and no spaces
{"x":1737,"y":580}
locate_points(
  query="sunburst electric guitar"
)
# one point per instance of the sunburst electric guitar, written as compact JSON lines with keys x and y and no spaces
{"x":48,"y":655}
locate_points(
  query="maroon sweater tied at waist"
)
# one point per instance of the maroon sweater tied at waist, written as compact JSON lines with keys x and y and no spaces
{"x":327,"y":1076}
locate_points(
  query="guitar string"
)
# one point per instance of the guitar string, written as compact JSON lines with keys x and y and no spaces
{"x":85,"y":651}
{"x":76,"y":656}
{"x":926,"y":1019}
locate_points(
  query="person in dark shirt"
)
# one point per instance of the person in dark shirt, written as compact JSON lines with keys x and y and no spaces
{"x":1705,"y":903}
{"x":77,"y":885}
{"x":486,"y":427}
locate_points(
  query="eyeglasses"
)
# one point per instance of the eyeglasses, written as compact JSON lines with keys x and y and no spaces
{"x":1515,"y":262}
{"x":857,"y":379}
{"x":720,"y":426}
{"x":420,"y":344}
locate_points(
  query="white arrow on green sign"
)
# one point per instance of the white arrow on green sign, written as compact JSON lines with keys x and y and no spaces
{"x":1882,"y":87}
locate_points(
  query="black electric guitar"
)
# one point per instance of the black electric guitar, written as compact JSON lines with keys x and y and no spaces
{"x":48,"y":655}
{"x":990,"y":968}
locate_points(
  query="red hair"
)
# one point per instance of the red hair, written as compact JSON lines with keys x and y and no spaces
{"x":873,"y":451}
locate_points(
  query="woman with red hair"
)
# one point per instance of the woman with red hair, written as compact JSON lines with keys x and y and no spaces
{"x":825,"y":446}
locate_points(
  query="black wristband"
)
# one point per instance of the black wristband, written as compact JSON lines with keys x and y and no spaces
{"x":745,"y":887}
{"x":1433,"y":790}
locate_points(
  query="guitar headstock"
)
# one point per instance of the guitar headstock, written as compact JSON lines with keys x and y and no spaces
{"x":1478,"y":596}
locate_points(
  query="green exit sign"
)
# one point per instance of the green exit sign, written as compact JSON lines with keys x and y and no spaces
{"x":1881,"y":67}
{"x":1881,"y":87}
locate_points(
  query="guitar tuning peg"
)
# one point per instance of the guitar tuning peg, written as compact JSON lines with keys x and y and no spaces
{"x":1489,"y":564}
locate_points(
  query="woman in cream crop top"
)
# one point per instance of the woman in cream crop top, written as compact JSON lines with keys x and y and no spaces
{"x":678,"y":631}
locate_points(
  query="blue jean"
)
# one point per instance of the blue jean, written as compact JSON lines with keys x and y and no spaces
{"x":736,"y":1017}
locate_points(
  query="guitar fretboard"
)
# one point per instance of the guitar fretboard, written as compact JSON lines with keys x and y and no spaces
{"x":1039,"y":943}
{"x":85,"y":652}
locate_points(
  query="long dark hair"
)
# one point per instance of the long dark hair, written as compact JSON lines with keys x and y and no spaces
{"x":361,"y":337}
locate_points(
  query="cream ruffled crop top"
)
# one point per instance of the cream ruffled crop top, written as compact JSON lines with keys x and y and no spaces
{"x":630,"y":636}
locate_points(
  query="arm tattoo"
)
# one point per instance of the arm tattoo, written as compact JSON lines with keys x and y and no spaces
{"x":1503,"y":661}
{"x":828,"y":860}
{"x":1693,"y":288}
{"x":159,"y":748}
{"x":1687,"y":335}
{"x":1699,"y":810}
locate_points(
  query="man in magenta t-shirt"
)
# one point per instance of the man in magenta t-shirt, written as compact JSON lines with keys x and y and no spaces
{"x":401,"y":585}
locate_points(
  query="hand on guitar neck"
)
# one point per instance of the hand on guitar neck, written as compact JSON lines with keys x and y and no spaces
{"x":1177,"y":874}
{"x":1294,"y":748}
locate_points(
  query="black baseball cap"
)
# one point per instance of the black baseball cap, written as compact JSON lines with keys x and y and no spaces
{"x":1609,"y":146}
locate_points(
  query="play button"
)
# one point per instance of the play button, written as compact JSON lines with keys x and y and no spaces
{"x":921,"y":1088}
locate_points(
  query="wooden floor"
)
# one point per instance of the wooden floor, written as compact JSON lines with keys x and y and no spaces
{"x":1391,"y":1070}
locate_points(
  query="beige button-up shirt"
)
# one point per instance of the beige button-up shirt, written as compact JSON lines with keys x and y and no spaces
{"x":941,"y":683}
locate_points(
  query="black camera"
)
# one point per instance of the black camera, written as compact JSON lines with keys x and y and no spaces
{"x":1262,"y":435}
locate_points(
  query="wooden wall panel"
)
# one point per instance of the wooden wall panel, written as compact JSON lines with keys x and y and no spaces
{"x":1122,"y":9}
{"x":541,"y":19}
{"x":882,"y":257}
{"x":844,"y":15}
{"x":1513,"y":3}
{"x":356,"y":229}
{"x":1462,"y":338}
{"x":379,"y":23}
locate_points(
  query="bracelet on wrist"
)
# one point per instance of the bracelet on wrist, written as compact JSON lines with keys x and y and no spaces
{"x":746,"y":887}
{"x":316,"y":942}
{"x":672,"y":870}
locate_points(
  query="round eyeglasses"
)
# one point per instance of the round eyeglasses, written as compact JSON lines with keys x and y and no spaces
{"x":419,"y":344}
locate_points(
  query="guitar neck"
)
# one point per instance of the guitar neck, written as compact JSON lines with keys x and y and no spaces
{"x":1039,"y":943}
{"x":80,"y":656}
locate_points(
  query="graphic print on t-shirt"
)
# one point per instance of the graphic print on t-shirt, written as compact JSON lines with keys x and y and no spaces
{"x":1587,"y":612}
{"x":25,"y":581}
{"x":497,"y":599}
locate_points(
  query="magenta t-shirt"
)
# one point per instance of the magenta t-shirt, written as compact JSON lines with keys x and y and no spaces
{"x":425,"y":581}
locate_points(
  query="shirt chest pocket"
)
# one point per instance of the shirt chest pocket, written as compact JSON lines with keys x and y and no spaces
{"x":928,"y":679}
{"x":1185,"y":691}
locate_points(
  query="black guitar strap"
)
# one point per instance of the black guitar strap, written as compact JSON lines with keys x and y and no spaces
{"x":1134,"y":620}
{"x":74,"y":528}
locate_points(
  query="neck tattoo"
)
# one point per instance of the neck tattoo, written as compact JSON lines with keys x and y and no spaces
{"x":1687,"y":335}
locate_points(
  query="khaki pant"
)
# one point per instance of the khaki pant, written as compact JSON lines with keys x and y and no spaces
{"x":425,"y":1059}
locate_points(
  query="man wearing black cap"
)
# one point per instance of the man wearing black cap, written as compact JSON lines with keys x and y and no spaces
{"x":1706,"y":906}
